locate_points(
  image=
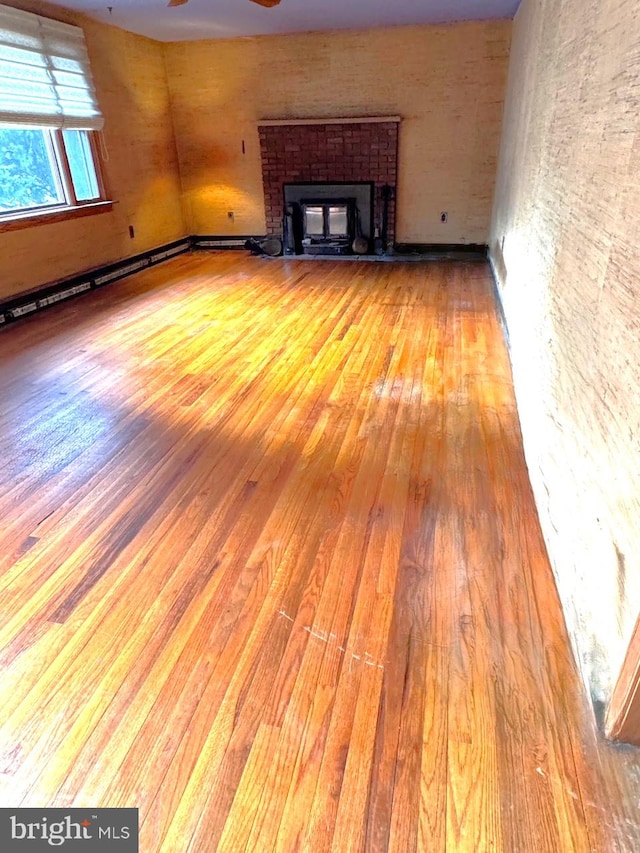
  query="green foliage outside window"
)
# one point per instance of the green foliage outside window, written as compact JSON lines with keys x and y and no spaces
{"x":26,"y":173}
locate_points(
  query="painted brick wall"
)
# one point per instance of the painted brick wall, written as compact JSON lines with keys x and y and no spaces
{"x":564,"y":239}
{"x":447,"y":83}
{"x":330,"y":153}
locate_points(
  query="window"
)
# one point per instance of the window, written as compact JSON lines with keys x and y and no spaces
{"x":82,"y":167}
{"x":44,"y":168}
{"x":48,"y":118}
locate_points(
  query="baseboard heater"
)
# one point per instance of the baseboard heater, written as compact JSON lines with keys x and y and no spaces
{"x":213,"y":242}
{"x":51,"y":294}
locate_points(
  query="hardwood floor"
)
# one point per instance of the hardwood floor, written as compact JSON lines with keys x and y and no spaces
{"x":271,"y":570}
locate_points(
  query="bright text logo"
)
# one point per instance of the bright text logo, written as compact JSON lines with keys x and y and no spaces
{"x":83,"y":831}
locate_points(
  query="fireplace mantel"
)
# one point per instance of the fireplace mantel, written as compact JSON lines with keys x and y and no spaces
{"x":288,"y":122}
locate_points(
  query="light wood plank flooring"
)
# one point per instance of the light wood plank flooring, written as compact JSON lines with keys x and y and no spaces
{"x":271,"y":570}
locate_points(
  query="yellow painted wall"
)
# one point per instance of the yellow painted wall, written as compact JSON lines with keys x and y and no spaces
{"x":564,"y":240}
{"x":142,"y":168}
{"x":447,"y":83}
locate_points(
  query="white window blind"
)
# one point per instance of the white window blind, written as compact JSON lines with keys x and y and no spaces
{"x":45,"y":77}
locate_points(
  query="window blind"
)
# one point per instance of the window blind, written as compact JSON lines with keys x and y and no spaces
{"x":45,"y":77}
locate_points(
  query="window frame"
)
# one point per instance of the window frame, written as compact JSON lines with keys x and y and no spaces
{"x":71,"y":207}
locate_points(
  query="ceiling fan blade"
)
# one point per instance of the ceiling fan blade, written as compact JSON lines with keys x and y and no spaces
{"x":267,"y":3}
{"x":177,"y":2}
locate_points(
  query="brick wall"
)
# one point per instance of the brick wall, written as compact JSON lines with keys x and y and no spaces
{"x":328,"y":153}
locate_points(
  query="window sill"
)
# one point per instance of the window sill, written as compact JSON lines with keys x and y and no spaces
{"x":28,"y":220}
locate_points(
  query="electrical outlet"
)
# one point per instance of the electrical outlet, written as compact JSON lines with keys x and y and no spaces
{"x":132,"y":232}
{"x":231,"y":215}
{"x":444,"y":216}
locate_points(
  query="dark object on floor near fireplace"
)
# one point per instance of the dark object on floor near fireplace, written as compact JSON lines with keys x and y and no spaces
{"x":387,"y":195}
{"x":271,"y":246}
{"x":360,"y":245}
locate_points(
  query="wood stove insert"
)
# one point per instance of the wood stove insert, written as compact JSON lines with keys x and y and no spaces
{"x":328,"y":227}
{"x":326,"y":219}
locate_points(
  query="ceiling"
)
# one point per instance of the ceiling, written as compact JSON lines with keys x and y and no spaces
{"x":201,"y":19}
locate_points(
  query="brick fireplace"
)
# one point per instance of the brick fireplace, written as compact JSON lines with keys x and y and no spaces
{"x":323,"y":151}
